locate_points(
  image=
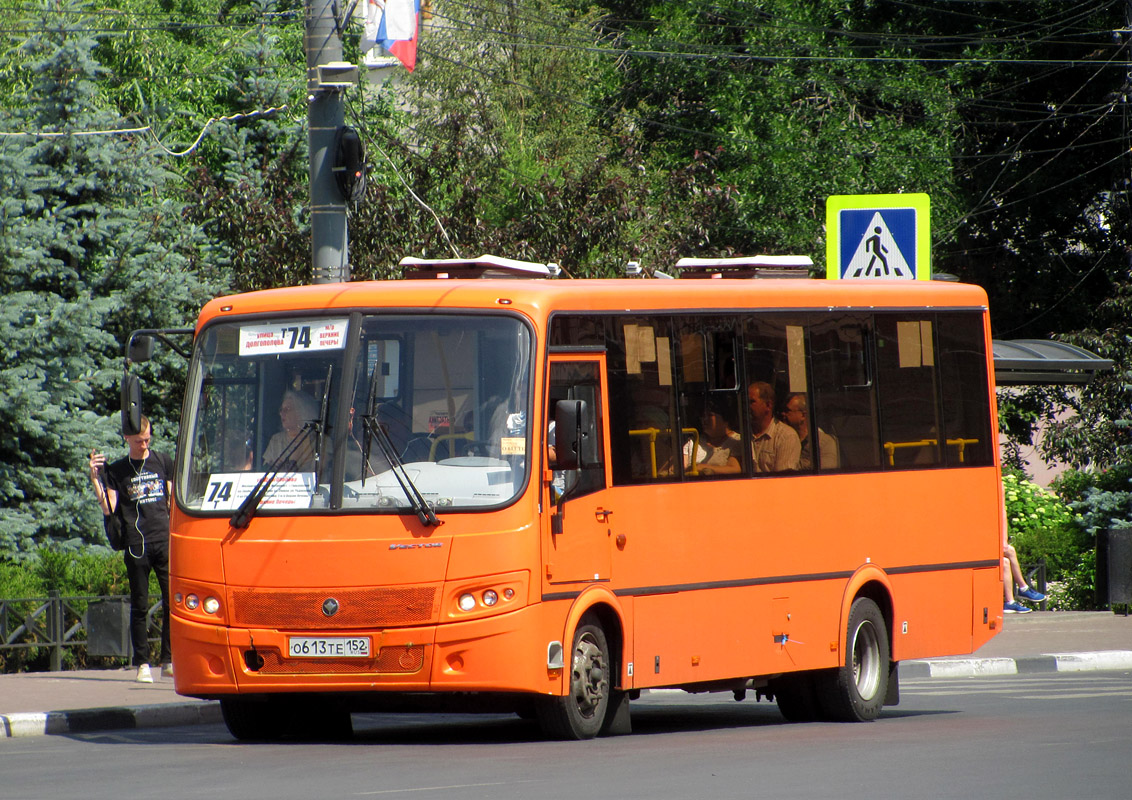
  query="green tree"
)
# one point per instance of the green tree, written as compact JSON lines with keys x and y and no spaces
{"x":501,"y":144}
{"x":249,"y":188}
{"x":797,"y":101}
{"x":90,"y":250}
{"x":171,"y":63}
{"x":1041,"y":163}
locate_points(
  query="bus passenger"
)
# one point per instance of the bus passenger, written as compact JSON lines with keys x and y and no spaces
{"x":774,"y":445}
{"x":718,"y":450}
{"x":797,"y":417}
{"x":297,"y":409}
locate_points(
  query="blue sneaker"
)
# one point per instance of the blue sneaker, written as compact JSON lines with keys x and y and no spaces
{"x":1031,"y":594}
{"x":1014,"y":607}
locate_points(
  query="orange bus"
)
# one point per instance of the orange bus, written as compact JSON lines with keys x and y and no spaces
{"x":546,"y":495}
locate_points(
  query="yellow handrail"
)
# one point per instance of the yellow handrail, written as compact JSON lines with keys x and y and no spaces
{"x":962,"y":445}
{"x":652,"y":433}
{"x":446,"y":437}
{"x":892,"y":447}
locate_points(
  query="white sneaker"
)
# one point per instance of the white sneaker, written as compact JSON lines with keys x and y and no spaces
{"x":166,"y":670}
{"x":144,"y":675}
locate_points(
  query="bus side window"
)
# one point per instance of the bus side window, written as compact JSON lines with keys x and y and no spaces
{"x":708,"y":398}
{"x":908,"y":391}
{"x":844,"y":397}
{"x":643,"y":420}
{"x":963,"y":376}
{"x":577,"y":380}
{"x":775,"y":364}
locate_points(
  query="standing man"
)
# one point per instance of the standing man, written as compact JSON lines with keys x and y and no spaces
{"x":774,"y":445}
{"x":139,"y":488}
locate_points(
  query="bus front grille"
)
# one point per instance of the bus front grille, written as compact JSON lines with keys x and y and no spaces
{"x":352,"y":608}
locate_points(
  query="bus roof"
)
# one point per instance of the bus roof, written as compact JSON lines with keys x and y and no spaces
{"x":623,"y":295}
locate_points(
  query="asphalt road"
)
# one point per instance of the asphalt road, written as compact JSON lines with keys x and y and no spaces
{"x":1033,"y":736}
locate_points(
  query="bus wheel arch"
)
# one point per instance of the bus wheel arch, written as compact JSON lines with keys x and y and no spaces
{"x":600,"y":603}
{"x":856,"y":690}
{"x":592,"y":703}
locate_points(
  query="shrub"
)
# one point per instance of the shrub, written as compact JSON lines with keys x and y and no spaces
{"x":1078,"y":592}
{"x":1042,"y":526}
{"x":72,"y":572}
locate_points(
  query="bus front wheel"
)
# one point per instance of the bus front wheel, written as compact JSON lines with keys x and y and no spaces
{"x":855,"y":691}
{"x":581,"y":713}
{"x":305,"y":719}
{"x":250,"y":720}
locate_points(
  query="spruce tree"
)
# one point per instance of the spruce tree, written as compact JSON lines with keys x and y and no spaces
{"x":91,"y":247}
{"x":250,"y":190}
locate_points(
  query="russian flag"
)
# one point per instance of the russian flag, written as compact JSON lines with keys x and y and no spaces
{"x":397,"y":30}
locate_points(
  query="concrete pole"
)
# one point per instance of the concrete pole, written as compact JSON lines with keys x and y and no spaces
{"x":330,"y":251}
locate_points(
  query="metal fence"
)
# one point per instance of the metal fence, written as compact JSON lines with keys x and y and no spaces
{"x":56,"y":623}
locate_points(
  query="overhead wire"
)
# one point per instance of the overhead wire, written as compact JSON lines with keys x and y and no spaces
{"x":999,"y":32}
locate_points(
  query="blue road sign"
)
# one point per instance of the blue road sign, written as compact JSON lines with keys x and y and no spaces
{"x":878,"y":237}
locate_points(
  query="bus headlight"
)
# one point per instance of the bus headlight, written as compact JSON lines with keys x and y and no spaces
{"x":497,"y":594}
{"x":211,"y":605}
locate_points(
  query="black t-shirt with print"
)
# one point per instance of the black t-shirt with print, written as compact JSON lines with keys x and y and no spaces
{"x":142,"y":498}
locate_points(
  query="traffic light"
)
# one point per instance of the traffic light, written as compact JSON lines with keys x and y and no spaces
{"x":350,"y":165}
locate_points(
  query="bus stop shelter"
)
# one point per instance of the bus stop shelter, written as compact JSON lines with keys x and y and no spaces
{"x":1040,"y":362}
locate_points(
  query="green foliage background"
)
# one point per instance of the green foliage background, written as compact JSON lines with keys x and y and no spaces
{"x":587,"y":134}
{"x":1041,"y":526}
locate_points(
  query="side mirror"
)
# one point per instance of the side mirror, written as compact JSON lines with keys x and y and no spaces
{"x":574,"y":435}
{"x":131,"y":404}
{"x":140,"y":349}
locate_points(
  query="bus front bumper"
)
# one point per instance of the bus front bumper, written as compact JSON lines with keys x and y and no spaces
{"x":504,"y":653}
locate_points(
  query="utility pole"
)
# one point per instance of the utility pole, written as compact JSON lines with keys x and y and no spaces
{"x":330,"y":248}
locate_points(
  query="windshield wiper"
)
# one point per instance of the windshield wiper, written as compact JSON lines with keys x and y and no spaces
{"x":318,"y":426}
{"x":251,"y":503}
{"x":323,"y":421}
{"x":375,"y":430}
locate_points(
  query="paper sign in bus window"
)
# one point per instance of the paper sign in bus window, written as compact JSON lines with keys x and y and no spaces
{"x":796,"y":357}
{"x":663,"y":361}
{"x":914,"y":342}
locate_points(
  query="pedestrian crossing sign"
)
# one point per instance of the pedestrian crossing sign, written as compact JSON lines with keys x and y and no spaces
{"x":878,"y":237}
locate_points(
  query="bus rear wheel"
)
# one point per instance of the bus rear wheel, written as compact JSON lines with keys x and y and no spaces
{"x":855,"y":691}
{"x":581,"y":713}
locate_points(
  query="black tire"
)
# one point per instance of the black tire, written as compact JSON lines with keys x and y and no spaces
{"x":796,"y":697}
{"x":274,"y":719}
{"x":581,"y":713}
{"x":254,"y":721}
{"x":316,"y":722}
{"x":855,"y":691}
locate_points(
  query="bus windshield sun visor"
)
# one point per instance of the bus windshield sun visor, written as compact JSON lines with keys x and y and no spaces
{"x":375,"y":430}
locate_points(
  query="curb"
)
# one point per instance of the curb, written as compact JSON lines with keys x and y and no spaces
{"x":61,"y":723}
{"x":1027,"y":665}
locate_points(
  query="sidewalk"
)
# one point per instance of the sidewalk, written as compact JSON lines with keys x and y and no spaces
{"x":56,"y":703}
{"x":39,"y":703}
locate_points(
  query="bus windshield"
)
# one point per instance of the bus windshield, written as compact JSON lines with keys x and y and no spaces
{"x":373,"y":412}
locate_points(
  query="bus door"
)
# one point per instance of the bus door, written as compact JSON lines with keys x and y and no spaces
{"x":580,"y":539}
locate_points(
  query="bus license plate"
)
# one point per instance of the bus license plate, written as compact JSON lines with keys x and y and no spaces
{"x":328,"y":647}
